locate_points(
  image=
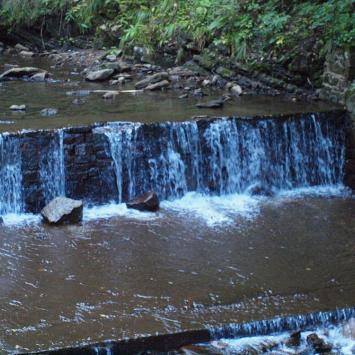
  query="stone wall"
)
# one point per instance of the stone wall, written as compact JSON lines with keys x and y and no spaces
{"x":339,"y":87}
{"x":89,"y":167}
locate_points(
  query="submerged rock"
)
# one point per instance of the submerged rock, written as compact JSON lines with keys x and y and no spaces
{"x":99,"y":75}
{"x":211,"y":104}
{"x":63,"y":210}
{"x":18,"y":107}
{"x":1,"y":221}
{"x":48,"y":112}
{"x":109,"y":95}
{"x":318,"y":344}
{"x":147,"y":202}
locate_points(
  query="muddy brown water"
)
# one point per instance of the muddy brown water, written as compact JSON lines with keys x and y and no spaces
{"x":124,"y":276}
{"x":127,"y":276}
{"x":146,"y":107}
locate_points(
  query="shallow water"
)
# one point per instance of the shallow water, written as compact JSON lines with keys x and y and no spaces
{"x":138,"y":274}
{"x":144,"y":107}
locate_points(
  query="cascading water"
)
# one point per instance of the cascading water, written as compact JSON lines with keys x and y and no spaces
{"x":226,"y":156}
{"x":51,"y":172}
{"x":212,"y":157}
{"x":281,"y":324}
{"x":52,"y":168}
{"x":10,"y":175}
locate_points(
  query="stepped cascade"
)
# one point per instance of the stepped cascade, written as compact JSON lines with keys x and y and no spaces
{"x":118,"y":161}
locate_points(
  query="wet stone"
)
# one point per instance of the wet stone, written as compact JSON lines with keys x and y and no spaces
{"x":48,"y":112}
{"x":318,"y":344}
{"x":147,"y":202}
{"x":63,"y":210}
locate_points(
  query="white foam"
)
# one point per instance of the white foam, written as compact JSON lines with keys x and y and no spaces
{"x":216,"y":210}
{"x":14,"y":219}
{"x":113,"y":210}
{"x":341,"y":339}
{"x":338,"y":190}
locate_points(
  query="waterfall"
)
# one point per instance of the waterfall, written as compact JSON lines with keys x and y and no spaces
{"x":226,"y":156}
{"x":52,"y":173}
{"x":10,"y":175}
{"x":282,"y":324}
{"x":212,"y":157}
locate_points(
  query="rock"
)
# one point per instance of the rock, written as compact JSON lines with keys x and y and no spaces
{"x":124,"y":67}
{"x":183,"y":96}
{"x":48,"y":112}
{"x":78,"y":101}
{"x":27,"y":54}
{"x":206,"y":82}
{"x":147,"y":202}
{"x":111,"y":58}
{"x":18,"y":107}
{"x":20,"y":72}
{"x":318,"y":344}
{"x":109,"y":95}
{"x":217,"y":80}
{"x":225,"y":72}
{"x":99,"y":75}
{"x":158,"y":86}
{"x":1,"y":221}
{"x":40,"y":77}
{"x":181,"y":72}
{"x":198,"y":93}
{"x":19,"y":48}
{"x":211,"y":104}
{"x":152,"y":79}
{"x":63,"y":210}
{"x":236,"y":90}
{"x":294,"y":340}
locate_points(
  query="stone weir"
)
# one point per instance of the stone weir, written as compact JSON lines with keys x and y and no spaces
{"x":120,"y":160}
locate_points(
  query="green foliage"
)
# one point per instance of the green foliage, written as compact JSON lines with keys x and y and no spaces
{"x":261,"y":27}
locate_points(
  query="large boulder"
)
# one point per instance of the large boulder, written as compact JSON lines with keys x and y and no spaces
{"x":147,"y":202}
{"x":99,"y":75}
{"x":20,"y":72}
{"x":63,"y":210}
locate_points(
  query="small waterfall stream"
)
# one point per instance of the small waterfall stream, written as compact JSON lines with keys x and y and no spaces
{"x":51,"y":171}
{"x":216,"y":157}
{"x":10,"y":175}
{"x":52,"y":168}
{"x":229,"y":156}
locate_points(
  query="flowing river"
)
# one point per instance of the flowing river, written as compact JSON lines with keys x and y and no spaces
{"x":254,"y":238}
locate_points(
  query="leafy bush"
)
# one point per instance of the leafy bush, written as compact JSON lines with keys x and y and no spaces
{"x":263,"y":27}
